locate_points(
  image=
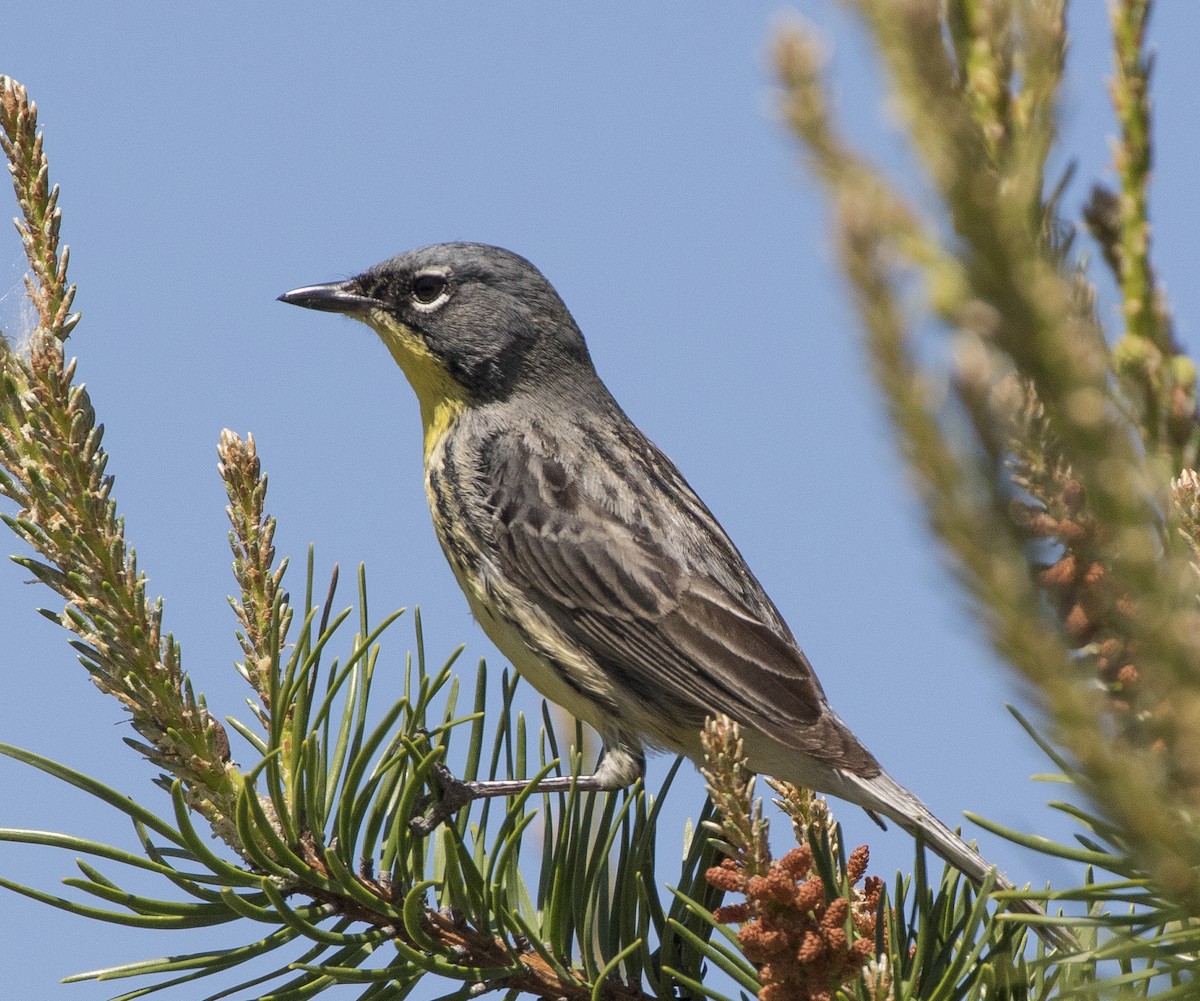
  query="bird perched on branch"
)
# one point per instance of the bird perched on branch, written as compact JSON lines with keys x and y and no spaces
{"x":582,"y":550}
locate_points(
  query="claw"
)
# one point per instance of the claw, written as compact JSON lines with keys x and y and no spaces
{"x":455,"y":794}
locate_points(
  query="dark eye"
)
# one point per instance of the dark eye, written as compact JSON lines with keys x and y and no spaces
{"x":427,"y":288}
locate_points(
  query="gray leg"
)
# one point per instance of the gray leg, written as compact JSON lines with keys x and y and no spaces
{"x":618,"y":767}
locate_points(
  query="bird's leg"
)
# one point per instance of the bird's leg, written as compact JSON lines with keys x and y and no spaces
{"x":618,"y":767}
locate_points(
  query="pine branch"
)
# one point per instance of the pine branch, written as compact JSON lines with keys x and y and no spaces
{"x":1050,"y":488}
{"x":52,"y":466}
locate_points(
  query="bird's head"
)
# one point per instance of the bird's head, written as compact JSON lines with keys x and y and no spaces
{"x":461,"y":319}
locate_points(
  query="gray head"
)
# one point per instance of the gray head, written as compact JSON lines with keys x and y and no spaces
{"x":485,"y":315}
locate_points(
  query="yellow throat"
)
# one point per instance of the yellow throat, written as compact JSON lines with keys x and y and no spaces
{"x":441,"y":396}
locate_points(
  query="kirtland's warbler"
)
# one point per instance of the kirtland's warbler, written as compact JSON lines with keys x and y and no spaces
{"x":582,"y":550}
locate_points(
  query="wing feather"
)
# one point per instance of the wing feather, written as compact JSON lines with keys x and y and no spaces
{"x":671,"y":632}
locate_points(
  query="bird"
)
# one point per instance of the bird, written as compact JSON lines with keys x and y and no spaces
{"x":586,"y":556}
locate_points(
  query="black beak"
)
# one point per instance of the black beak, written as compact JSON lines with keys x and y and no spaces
{"x":336,"y":297}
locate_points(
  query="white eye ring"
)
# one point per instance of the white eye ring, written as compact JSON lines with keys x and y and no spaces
{"x":433,"y":283}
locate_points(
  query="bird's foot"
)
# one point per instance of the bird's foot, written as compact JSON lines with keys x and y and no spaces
{"x":455,"y":794}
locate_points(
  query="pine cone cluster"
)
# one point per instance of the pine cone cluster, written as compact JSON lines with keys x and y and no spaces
{"x":795,"y":935}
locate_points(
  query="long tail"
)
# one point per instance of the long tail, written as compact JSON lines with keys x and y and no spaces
{"x":883,"y":794}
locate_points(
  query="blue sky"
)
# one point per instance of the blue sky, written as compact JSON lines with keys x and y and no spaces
{"x":210,"y":161}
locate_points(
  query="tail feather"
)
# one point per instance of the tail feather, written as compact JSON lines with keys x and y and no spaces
{"x":883,"y":794}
